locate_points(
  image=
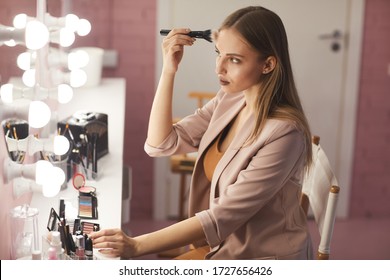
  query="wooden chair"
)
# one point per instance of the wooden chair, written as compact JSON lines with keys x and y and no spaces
{"x":320,"y":192}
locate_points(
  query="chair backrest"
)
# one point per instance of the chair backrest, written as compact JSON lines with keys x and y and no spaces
{"x":201,"y":97}
{"x":320,"y":191}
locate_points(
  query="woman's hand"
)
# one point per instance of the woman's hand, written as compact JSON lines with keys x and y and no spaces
{"x":173,"y":48}
{"x":115,"y":243}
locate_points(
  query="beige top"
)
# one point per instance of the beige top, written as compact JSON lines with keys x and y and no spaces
{"x":212,"y":157}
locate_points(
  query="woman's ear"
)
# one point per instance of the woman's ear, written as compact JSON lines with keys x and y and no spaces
{"x":269,"y":64}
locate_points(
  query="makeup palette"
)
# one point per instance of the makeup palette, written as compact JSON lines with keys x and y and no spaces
{"x":87,"y":197}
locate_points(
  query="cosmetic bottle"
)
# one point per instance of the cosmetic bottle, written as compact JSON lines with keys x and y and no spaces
{"x":80,"y":249}
{"x":52,"y":254}
{"x":36,"y":255}
{"x":88,"y":248}
{"x":57,"y":244}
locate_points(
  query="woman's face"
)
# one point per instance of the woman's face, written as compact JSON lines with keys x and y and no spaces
{"x":238,"y":65}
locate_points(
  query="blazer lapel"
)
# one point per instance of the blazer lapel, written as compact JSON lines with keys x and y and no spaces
{"x":217,"y":125}
{"x":235,"y":146}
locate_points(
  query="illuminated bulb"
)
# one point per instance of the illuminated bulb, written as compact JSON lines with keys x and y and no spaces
{"x":43,"y":168}
{"x":20,"y":21}
{"x":6,"y":92}
{"x":50,"y":190}
{"x":84,"y":27}
{"x":39,"y":114}
{"x":53,"y":181}
{"x":72,"y":22}
{"x":10,"y":43}
{"x":28,"y":77}
{"x":64,"y":37}
{"x":61,"y":145}
{"x":37,"y":35}
{"x":26,"y":60}
{"x":65,"y":93}
{"x":78,"y":78}
{"x":78,"y":59}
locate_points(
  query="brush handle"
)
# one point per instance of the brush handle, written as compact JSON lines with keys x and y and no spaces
{"x":195,"y":34}
{"x":95,"y":137}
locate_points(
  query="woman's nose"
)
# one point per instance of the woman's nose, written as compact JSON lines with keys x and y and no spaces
{"x":219,"y":66}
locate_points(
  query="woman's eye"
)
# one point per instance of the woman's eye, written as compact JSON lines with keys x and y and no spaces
{"x":235,"y":60}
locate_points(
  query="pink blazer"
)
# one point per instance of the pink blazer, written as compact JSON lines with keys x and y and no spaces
{"x":257,"y":213}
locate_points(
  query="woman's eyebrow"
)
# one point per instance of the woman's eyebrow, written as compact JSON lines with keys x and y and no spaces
{"x":235,"y":54}
{"x":230,"y":54}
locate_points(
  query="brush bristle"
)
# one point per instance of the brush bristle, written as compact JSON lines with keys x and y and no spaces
{"x":207,"y":35}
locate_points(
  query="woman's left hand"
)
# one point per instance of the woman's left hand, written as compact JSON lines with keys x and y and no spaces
{"x":115,"y":243}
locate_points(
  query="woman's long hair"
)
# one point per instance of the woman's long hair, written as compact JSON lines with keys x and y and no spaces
{"x":278,"y":96}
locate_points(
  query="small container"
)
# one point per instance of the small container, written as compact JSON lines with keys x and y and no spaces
{"x":52,"y":254}
{"x":57,"y":244}
{"x":24,"y":231}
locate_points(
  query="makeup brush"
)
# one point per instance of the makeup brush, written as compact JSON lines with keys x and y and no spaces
{"x":94,"y":131}
{"x":195,"y":34}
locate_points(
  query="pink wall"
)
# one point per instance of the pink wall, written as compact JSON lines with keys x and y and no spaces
{"x":371,"y":174}
{"x":129,"y":27}
{"x":7,"y":69}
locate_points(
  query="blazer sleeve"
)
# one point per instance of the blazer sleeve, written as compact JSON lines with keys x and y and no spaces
{"x":186,"y":134}
{"x":267,"y":172}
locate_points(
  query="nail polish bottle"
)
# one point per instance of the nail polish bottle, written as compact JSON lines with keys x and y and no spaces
{"x":88,"y":248}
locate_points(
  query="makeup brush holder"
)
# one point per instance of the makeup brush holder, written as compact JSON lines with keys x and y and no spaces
{"x":87,"y":133}
{"x":16,"y":129}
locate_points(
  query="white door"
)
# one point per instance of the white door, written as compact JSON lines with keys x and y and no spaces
{"x":325,"y":42}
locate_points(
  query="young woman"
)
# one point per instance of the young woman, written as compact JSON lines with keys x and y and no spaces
{"x":253,"y":143}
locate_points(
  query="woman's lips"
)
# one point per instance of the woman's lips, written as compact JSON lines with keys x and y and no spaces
{"x":223,"y":82}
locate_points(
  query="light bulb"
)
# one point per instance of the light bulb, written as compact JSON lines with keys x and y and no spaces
{"x":10,"y":43}
{"x":84,"y":27}
{"x":67,"y":37}
{"x":42,"y":169}
{"x":26,"y":60}
{"x":50,"y":190}
{"x":20,"y":21}
{"x":28,"y":77}
{"x":37,"y":35}
{"x":6,"y":92}
{"x":65,"y":93}
{"x":39,"y":114}
{"x":71,"y":22}
{"x":53,"y":181}
{"x":61,"y":145}
{"x":78,"y":78}
{"x":77,"y":59}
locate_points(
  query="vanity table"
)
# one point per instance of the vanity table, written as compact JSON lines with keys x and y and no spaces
{"x":108,"y":98}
